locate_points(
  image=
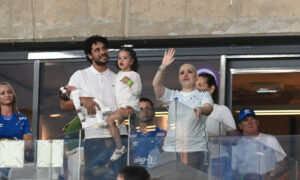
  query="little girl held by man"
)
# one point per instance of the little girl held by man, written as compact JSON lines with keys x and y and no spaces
{"x":128,"y":88}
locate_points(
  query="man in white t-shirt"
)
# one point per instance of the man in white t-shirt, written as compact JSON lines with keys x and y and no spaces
{"x":99,"y":81}
{"x":256,"y":155}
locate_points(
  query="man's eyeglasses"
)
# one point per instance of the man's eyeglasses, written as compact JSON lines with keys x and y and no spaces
{"x":202,"y":84}
{"x":146,"y":109}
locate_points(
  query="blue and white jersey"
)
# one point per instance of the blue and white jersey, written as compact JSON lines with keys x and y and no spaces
{"x":147,"y":147}
{"x":14,"y":126}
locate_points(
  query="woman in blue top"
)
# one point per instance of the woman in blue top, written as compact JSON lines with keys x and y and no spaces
{"x":13,"y":125}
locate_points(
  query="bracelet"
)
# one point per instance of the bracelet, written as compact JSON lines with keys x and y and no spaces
{"x":129,"y":82}
{"x":160,"y":68}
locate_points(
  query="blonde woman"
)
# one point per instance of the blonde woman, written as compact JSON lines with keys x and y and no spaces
{"x":13,"y":125}
{"x":189,"y":138}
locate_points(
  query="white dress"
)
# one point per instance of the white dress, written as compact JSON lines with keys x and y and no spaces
{"x":125,"y":95}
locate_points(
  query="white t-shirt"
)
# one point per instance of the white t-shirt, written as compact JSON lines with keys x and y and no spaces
{"x":191,"y":99}
{"x":219,"y":121}
{"x":217,"y":124}
{"x":186,"y":133}
{"x":272,"y":142}
{"x":86,"y":119}
{"x":125,"y":95}
{"x":256,"y":155}
{"x":102,"y":87}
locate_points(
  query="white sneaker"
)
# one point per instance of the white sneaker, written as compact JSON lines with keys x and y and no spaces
{"x":118,"y":153}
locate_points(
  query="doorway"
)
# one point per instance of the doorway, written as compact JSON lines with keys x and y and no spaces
{"x":273,"y":95}
{"x":269,"y":84}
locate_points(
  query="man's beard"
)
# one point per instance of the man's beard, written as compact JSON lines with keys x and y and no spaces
{"x":99,"y":63}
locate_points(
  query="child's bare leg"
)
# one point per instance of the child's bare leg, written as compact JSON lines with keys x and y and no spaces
{"x":120,"y":149}
{"x":113,"y":129}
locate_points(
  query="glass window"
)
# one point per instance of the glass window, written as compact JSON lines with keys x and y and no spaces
{"x":274,"y":97}
{"x":20,"y":76}
{"x":51,"y":118}
{"x":54,"y":75}
{"x":147,"y":70}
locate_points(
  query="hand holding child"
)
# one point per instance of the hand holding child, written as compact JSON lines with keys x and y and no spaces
{"x":198,"y":112}
{"x":125,"y":79}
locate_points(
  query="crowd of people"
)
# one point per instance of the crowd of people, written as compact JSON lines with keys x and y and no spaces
{"x":104,"y":99}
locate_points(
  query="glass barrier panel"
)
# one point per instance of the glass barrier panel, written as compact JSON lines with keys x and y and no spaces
{"x":72,"y":157}
{"x":42,"y":159}
{"x":73,"y":154}
{"x":179,"y":152}
{"x":243,"y":157}
{"x":214,"y":127}
{"x":212,"y":157}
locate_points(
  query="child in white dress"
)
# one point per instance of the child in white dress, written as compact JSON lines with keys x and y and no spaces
{"x":127,"y":89}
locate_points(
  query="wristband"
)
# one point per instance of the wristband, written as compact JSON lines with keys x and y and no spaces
{"x":129,"y":82}
{"x":160,"y":68}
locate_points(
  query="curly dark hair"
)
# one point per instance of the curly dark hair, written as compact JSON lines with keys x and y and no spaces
{"x":93,"y":40}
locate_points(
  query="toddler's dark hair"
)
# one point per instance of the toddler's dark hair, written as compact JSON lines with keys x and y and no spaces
{"x":132,"y":53}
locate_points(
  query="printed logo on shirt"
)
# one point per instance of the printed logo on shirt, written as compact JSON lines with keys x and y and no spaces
{"x":139,"y":160}
{"x":135,"y":143}
{"x":202,"y":91}
{"x":143,"y":160}
{"x":22,"y":118}
{"x":160,"y":134}
{"x":133,"y":135}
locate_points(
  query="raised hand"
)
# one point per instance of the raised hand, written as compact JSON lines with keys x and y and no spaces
{"x":158,"y":86}
{"x":168,"y":57}
{"x":125,"y":79}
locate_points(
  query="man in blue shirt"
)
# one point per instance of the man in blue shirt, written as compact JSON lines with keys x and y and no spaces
{"x":147,"y":139}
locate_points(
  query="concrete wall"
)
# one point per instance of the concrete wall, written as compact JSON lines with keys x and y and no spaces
{"x":68,"y":20}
